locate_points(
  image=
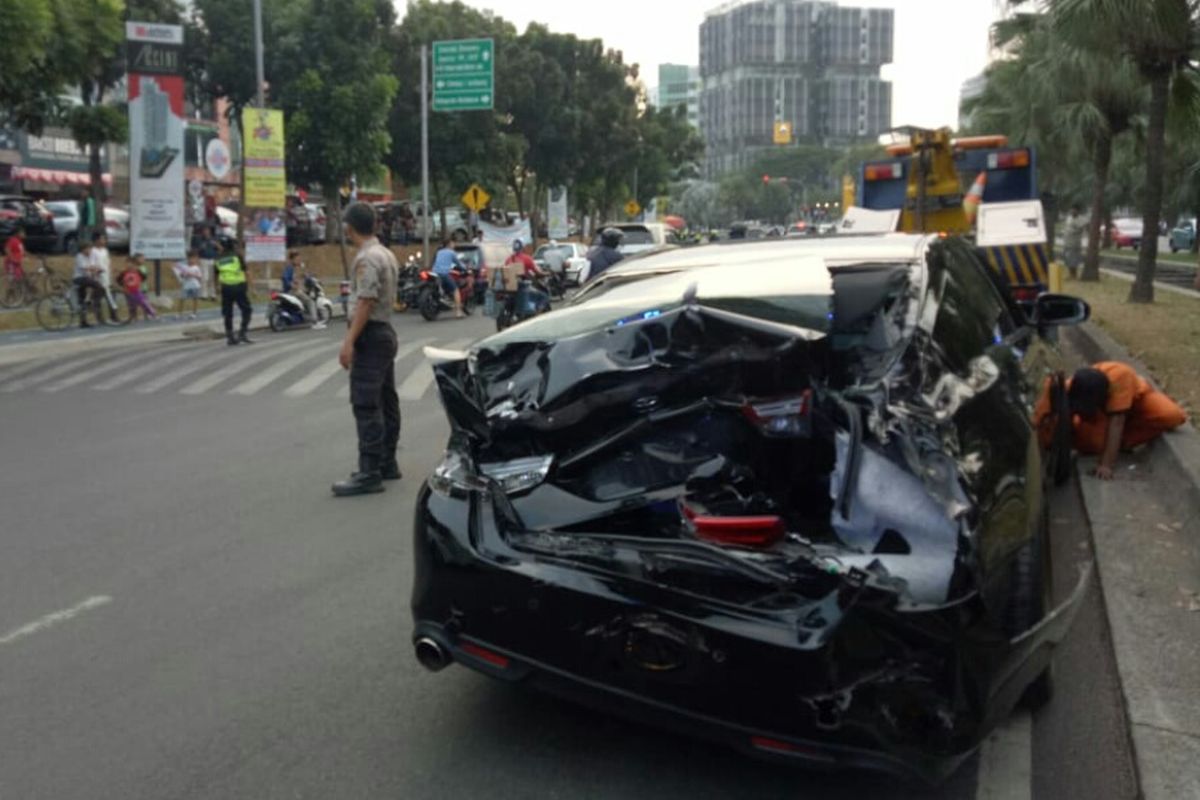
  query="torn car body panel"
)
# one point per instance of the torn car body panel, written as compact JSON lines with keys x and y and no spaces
{"x":784,"y":506}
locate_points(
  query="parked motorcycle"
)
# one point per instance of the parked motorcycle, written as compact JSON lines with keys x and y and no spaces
{"x":287,"y":311}
{"x":432,"y":299}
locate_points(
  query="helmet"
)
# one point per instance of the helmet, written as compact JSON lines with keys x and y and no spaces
{"x":518,"y":245}
{"x":612,"y":237}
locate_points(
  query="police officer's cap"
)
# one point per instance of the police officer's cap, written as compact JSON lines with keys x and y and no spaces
{"x":360,"y":217}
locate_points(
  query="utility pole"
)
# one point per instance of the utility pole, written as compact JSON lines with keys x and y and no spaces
{"x":260,"y":73}
{"x":425,"y":153}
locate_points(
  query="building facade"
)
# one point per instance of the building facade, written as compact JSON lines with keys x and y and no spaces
{"x":679,"y":85}
{"x":809,"y":63}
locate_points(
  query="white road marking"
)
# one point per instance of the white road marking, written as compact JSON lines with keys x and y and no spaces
{"x":127,"y":378}
{"x":260,"y":355}
{"x":118,"y":364}
{"x":276,"y":371}
{"x":201,"y":362}
{"x":421,"y":378}
{"x":49,"y":374}
{"x":315,"y":379}
{"x":50,"y":620}
{"x":1006,"y":761}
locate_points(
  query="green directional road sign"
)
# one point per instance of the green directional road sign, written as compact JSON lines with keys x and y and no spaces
{"x":464,"y":75}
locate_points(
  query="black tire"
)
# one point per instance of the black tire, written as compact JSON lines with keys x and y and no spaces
{"x":1060,"y":451}
{"x":13,"y":294}
{"x":1032,"y":596}
{"x":54,"y":313}
{"x":324,"y":314}
{"x":71,"y":244}
{"x":428,"y":303}
{"x":1174,"y":249}
{"x":275,"y":320}
{"x":503,"y":319}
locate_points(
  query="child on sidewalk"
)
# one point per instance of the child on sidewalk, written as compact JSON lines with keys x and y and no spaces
{"x":131,"y":280}
{"x":191,"y":276}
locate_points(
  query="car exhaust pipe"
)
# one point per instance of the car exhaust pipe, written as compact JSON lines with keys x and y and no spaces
{"x":431,"y":655}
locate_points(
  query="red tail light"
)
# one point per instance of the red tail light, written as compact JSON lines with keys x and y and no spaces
{"x":424,"y":275}
{"x":274,"y":295}
{"x":787,"y":417}
{"x":112,"y":224}
{"x":1008,"y":159}
{"x":1025,"y":294}
{"x":756,"y":531}
{"x":485,"y":655}
{"x":883,"y":172}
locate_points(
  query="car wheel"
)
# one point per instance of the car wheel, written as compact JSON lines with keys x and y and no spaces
{"x":1060,"y":448}
{"x":1174,"y":249}
{"x":70,"y":244}
{"x":1030,"y":599}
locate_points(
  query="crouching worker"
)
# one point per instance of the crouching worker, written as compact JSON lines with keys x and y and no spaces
{"x":1116,"y":409}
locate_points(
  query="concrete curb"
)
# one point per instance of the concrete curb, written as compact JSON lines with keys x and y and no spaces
{"x":1146,"y":534}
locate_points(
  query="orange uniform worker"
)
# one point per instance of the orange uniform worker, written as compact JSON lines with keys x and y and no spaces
{"x":1116,"y":409}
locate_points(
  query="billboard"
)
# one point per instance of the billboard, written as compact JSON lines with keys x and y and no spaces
{"x":156,"y":133}
{"x":266,"y":179}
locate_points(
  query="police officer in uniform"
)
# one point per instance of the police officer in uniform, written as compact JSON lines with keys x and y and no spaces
{"x":369,"y":352}
{"x":231,"y":275}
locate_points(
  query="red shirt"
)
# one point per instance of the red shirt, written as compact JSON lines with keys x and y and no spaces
{"x":524,"y":260}
{"x":131,"y":279}
{"x":14,"y":252}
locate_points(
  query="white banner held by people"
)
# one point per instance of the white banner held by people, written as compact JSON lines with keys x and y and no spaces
{"x":556,"y":216}
{"x":156,"y":140}
{"x":495,"y":234}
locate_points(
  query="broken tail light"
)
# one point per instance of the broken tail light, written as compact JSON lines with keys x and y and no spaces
{"x":744,"y":531}
{"x":520,"y":474}
{"x":783,"y":418}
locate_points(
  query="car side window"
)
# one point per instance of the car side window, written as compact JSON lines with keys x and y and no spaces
{"x":971,"y":314}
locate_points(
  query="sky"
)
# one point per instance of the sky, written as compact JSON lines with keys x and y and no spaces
{"x":938,"y":44}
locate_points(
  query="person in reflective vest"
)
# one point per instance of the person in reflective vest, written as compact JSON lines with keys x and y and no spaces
{"x":231,"y":276}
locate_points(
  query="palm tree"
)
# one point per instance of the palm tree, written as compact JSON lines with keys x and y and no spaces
{"x":1161,"y":38}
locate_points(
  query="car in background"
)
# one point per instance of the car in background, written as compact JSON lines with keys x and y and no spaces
{"x":15,"y":210}
{"x":116,"y":227}
{"x":1183,"y":236}
{"x":1127,"y":233}
{"x":319,"y":223}
{"x":66,"y":224}
{"x":569,"y":259}
{"x":639,"y":236}
{"x":715,"y":492}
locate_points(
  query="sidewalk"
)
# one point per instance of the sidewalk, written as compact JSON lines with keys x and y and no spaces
{"x":1146,"y":531}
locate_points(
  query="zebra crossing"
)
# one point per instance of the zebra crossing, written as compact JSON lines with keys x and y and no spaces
{"x":290,"y":367}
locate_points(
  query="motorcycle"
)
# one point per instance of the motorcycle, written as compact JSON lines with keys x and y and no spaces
{"x":287,"y":311}
{"x":526,"y":302}
{"x":409,"y":283}
{"x":432,"y":299}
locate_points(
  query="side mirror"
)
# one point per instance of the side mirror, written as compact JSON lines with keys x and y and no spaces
{"x":1060,"y":309}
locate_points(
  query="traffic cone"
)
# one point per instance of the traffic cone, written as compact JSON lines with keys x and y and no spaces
{"x":974,"y":198}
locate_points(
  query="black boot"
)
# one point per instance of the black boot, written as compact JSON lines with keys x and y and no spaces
{"x":230,"y":340}
{"x":391,"y":472}
{"x":244,"y":339}
{"x":359,"y":483}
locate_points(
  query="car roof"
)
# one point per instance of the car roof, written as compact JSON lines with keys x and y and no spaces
{"x":840,"y":249}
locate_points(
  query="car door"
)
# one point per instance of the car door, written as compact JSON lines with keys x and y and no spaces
{"x":987,"y":348}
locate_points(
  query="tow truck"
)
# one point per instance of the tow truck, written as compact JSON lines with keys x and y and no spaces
{"x":935,"y":182}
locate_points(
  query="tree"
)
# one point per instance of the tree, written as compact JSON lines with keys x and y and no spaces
{"x":337,"y":105}
{"x":29,"y":78}
{"x":1161,"y":38}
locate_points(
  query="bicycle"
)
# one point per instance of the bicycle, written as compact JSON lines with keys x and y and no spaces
{"x":56,"y":312}
{"x":21,"y":290}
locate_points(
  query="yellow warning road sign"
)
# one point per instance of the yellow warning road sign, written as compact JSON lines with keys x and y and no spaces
{"x":632,"y":208}
{"x":783,"y":133}
{"x":476,"y":198}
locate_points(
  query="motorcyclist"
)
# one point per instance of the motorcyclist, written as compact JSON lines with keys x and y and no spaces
{"x":528,"y":294}
{"x":605,"y":254}
{"x":444,"y":262}
{"x":519,"y":256}
{"x":555,"y":257}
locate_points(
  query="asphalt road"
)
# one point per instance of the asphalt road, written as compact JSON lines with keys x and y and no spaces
{"x":186,"y":612}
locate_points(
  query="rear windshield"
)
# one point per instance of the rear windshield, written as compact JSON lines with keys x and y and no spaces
{"x":798,"y":294}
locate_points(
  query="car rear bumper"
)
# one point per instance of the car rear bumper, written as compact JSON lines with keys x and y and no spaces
{"x":841,"y":683}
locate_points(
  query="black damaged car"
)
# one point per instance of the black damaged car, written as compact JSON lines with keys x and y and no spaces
{"x":785,"y":495}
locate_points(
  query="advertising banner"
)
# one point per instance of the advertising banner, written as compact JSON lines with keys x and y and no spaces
{"x":266,"y":236}
{"x":156,"y":135}
{"x":495,"y":234}
{"x":266,"y":179}
{"x":556,"y":217}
